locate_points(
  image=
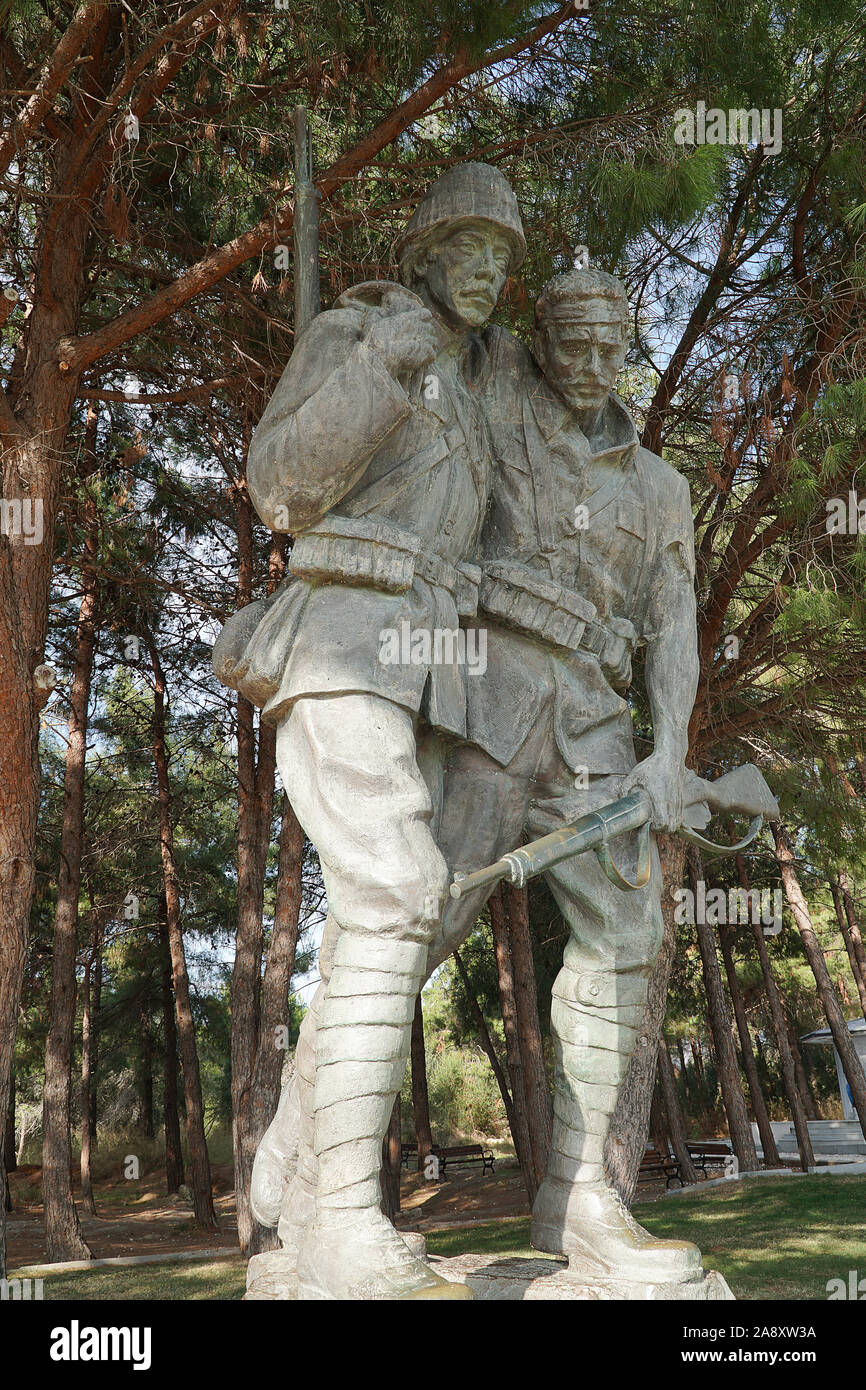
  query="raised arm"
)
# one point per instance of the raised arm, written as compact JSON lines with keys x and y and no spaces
{"x":334,"y":406}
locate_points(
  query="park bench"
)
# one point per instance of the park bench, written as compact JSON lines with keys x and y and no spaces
{"x":463,"y":1155}
{"x":708,"y":1153}
{"x":658,"y":1165}
{"x":459,"y":1155}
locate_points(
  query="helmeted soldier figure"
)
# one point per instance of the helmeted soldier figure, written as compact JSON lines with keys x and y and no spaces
{"x":588,"y":552}
{"x":374,"y":453}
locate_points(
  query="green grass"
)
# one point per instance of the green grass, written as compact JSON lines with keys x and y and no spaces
{"x":775,"y":1239}
{"x":772,"y":1238}
{"x":509,"y":1236}
{"x":212,"y":1279}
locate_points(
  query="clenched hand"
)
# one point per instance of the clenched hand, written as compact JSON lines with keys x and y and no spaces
{"x":405,"y":340}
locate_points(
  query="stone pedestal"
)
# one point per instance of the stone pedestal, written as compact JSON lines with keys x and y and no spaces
{"x":542,"y":1279}
{"x":531,"y":1280}
{"x":271,"y":1275}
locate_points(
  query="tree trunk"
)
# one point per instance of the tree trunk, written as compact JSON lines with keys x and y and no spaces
{"x":687,"y":1090}
{"x":62,"y":1229}
{"x":255,"y":807}
{"x":676,"y":1128}
{"x":519,"y":1118}
{"x":626,"y":1140}
{"x":854,"y":931}
{"x":843,"y":921}
{"x":264,"y":1092}
{"x":720,"y":1027}
{"x":698,"y":1059}
{"x":487,"y":1044}
{"x":750,"y":1066}
{"x":803,"y":1084}
{"x":145,"y":1072}
{"x":95,"y":1011}
{"x":42,"y":399}
{"x":202,"y":1193}
{"x":835,"y":1018}
{"x":392,"y":1154}
{"x":171,"y":1119}
{"x":539,"y":1112}
{"x":8,"y":1157}
{"x":252,"y":1113}
{"x":658,"y":1126}
{"x":87,"y":1201}
{"x":17,"y":837}
{"x":780,"y":1028}
{"x":420,"y":1098}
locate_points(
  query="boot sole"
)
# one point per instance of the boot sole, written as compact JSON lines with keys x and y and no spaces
{"x":581,"y":1259}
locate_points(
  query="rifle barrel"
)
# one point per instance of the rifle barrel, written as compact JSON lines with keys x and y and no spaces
{"x":306,"y":227}
{"x":627,"y":813}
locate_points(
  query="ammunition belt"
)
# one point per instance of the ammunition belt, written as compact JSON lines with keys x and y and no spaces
{"x":521,"y":598}
{"x":360,"y":550}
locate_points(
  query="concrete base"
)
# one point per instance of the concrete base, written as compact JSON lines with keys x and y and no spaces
{"x":269,"y":1277}
{"x":835,"y":1141}
{"x":544,"y":1279}
{"x":703,"y":1185}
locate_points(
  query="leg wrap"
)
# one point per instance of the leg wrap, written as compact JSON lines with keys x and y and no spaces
{"x":361,"y":1048}
{"x":595,"y":1019}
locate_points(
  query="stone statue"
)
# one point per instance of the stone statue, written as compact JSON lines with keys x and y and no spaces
{"x":431,"y":469}
{"x":374,"y":453}
{"x":587,"y":552}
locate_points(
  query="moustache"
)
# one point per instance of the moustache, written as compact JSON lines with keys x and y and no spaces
{"x":584,"y":383}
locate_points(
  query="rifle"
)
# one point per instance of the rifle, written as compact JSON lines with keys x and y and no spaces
{"x":306,"y":227}
{"x":741,"y":792}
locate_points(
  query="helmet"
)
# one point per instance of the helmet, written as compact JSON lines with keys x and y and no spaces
{"x":466,"y":193}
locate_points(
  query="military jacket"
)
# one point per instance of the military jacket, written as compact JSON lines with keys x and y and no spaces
{"x":384,"y":484}
{"x":585,"y":553}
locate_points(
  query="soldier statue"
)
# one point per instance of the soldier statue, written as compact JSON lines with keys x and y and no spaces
{"x":587,"y":553}
{"x":374,"y":452}
{"x":434,"y":471}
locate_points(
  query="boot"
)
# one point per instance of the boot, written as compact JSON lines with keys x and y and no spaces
{"x":351,"y":1250}
{"x":595,"y":1018}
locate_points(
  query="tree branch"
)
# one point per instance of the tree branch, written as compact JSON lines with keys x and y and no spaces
{"x":80,"y":353}
{"x":52,"y":77}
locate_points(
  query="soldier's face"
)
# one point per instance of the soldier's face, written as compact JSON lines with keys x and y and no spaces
{"x":582,"y":358}
{"x":465,"y":272}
